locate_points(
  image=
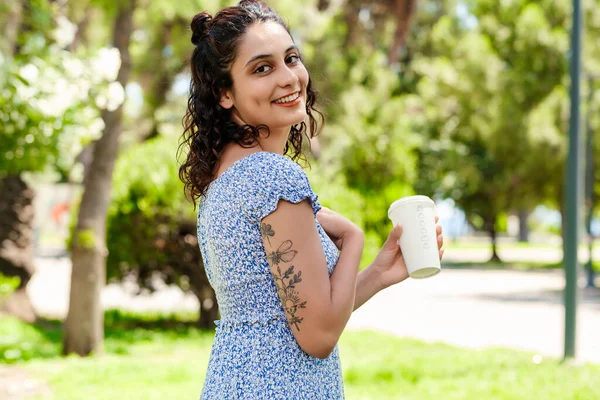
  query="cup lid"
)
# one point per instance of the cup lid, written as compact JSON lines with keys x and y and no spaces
{"x":411,"y":199}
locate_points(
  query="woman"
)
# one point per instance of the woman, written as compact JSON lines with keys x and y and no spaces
{"x":284,"y":269}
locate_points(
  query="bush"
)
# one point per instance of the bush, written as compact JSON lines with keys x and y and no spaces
{"x":151,"y":229}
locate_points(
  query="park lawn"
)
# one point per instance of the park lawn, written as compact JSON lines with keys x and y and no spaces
{"x":167,"y":360}
{"x":486,"y":245}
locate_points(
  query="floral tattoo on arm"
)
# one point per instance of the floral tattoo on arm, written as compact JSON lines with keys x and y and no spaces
{"x":285,"y":281}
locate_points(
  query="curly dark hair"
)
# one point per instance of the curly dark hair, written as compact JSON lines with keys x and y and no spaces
{"x":208,"y":127}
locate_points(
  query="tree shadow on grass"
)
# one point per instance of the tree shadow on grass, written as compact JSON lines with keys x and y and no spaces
{"x":529,"y":266}
{"x":43,"y":340}
{"x":589,"y":297}
{"x":522,"y":266}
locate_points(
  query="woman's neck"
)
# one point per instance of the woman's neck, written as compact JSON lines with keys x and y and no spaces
{"x":275,"y":142}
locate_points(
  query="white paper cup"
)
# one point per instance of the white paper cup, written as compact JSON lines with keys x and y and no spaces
{"x":418,"y":242}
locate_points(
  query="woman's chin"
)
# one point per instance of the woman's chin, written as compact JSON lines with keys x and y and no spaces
{"x":299,"y":118}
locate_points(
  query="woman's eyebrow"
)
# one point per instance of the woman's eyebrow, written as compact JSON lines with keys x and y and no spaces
{"x":261,"y":56}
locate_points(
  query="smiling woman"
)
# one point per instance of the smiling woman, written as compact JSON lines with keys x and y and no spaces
{"x":284,"y":269}
{"x":248,"y":82}
{"x":268,"y":74}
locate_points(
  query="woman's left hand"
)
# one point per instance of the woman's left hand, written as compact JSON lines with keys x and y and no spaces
{"x":389,"y":262}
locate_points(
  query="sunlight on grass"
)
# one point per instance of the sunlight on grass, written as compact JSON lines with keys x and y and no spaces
{"x":409,"y":369}
{"x":145,"y":360}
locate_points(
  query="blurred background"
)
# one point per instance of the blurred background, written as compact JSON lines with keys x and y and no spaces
{"x":464,"y":101}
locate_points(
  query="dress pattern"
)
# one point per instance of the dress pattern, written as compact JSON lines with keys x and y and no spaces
{"x":254,"y":353}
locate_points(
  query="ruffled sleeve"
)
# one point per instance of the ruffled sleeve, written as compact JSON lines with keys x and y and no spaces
{"x":276,"y":178}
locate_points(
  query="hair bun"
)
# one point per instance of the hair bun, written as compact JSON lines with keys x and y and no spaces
{"x":199,"y":27}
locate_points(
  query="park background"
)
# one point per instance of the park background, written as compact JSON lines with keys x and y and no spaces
{"x":464,"y":101}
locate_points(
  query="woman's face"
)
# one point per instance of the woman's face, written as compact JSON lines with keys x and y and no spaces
{"x":269,"y":80}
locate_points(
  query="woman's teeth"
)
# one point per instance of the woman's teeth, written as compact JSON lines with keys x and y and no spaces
{"x":287,"y":99}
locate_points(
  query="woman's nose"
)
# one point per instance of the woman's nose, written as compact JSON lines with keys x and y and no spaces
{"x":287,"y":77}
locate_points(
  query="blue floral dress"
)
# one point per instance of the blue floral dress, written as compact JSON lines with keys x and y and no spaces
{"x":254,"y":353}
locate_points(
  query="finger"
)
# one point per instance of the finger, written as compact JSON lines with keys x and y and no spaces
{"x":441,"y":253}
{"x":438,"y":230}
{"x":393,"y":237}
{"x":321,"y":217}
{"x":440,"y":241}
{"x":437,"y":219}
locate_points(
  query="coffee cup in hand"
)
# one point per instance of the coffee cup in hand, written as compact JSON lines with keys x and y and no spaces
{"x":418,"y":242}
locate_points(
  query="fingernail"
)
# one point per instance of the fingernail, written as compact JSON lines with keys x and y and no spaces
{"x":398,"y":242}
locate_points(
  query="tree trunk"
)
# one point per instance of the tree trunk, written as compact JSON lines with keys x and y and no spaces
{"x":186,"y":257}
{"x":209,"y":310}
{"x":523,"y":227}
{"x":403,"y":11}
{"x":14,"y":16}
{"x":323,"y":5}
{"x":162,"y":77}
{"x":81,"y":35}
{"x":351,"y":11}
{"x":84,"y":327}
{"x":490,"y":227}
{"x":16,"y":242}
{"x":24,"y":23}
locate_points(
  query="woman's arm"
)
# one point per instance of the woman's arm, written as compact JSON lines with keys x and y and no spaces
{"x":368,"y":285}
{"x":388,"y":268}
{"x":317,"y":306}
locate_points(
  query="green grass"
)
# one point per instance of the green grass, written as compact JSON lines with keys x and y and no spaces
{"x":158,"y":357}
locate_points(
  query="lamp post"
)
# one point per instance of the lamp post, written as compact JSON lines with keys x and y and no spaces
{"x":590,"y":198}
{"x":573,"y":187}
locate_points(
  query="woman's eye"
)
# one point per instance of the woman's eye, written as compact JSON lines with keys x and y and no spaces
{"x":262,"y":69}
{"x":293,"y":59}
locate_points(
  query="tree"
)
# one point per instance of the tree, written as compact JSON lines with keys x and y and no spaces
{"x":11,"y":17}
{"x":47,"y":97}
{"x":84,"y":326}
{"x":478,"y":93}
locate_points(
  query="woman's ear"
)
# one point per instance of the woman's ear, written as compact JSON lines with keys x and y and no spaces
{"x":226,"y":100}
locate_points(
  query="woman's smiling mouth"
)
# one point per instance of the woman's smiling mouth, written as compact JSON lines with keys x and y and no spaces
{"x":289,"y":100}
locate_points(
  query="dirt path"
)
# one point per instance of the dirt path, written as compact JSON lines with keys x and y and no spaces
{"x":17,"y":384}
{"x":479,"y":309}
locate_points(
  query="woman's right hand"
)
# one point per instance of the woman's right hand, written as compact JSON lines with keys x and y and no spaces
{"x":339,"y":228}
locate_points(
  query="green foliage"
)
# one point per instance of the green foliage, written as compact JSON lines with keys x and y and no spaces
{"x":51,"y":98}
{"x":335,"y":194}
{"x":146,"y":180}
{"x":481,"y":94}
{"x":370,"y":146}
{"x":148,"y":202}
{"x":43,"y":111}
{"x":85,"y":239}
{"x":22,"y":342}
{"x":7,"y":285}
